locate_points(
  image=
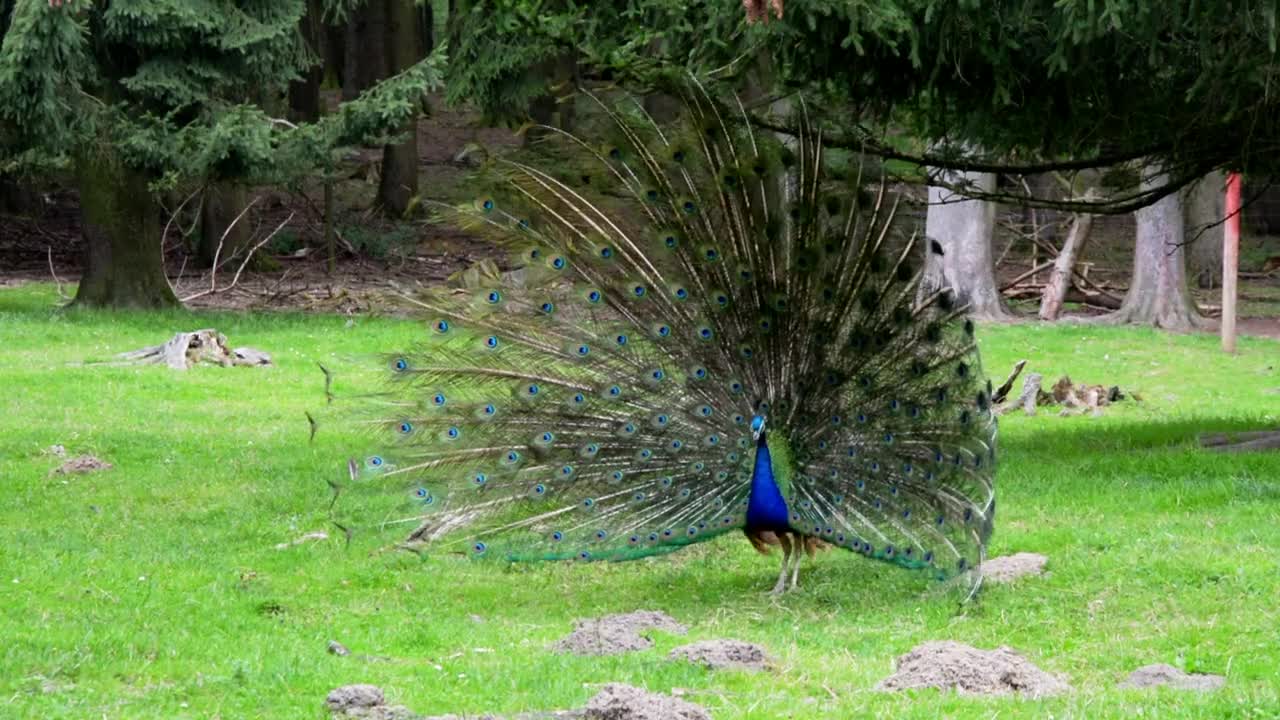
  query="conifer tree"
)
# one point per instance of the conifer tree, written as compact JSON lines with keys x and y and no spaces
{"x":136,"y":97}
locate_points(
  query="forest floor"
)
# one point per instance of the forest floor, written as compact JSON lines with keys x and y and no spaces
{"x":170,"y":585}
{"x":373,"y":253}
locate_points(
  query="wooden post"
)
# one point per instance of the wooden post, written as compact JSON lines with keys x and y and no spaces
{"x":1230,"y":262}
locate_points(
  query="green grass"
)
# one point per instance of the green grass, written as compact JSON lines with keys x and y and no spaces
{"x":154,"y":590}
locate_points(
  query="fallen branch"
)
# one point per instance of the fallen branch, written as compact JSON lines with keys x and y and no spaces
{"x":1036,"y":269}
{"x":1003,"y":391}
{"x":1059,"y":286}
{"x":54,"y":273}
{"x":213,"y":273}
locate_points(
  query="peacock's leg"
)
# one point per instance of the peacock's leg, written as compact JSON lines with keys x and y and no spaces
{"x":795,"y":568}
{"x":784,"y":540}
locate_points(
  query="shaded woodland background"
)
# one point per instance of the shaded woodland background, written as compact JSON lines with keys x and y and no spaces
{"x":331,"y":231}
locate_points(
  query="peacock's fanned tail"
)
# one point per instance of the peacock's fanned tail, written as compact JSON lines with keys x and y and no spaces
{"x":696,"y":276}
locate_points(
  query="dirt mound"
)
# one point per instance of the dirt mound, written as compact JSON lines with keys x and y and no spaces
{"x":1012,"y":567}
{"x":82,"y":464}
{"x":615,"y":702}
{"x":623,"y":702}
{"x":723,"y":654}
{"x":364,"y":701}
{"x":966,"y":669}
{"x":613,"y":634}
{"x":1161,"y":674}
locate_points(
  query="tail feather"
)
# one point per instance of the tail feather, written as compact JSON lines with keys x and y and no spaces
{"x":697,"y":276}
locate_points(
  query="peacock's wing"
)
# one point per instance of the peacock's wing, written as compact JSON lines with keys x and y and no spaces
{"x":598,"y":408}
{"x":557,"y":424}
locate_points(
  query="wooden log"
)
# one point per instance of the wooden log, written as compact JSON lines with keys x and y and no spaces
{"x":1003,"y":391}
{"x":1055,"y":293}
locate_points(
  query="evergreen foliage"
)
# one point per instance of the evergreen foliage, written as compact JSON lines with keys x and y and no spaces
{"x":1187,"y":83}
{"x":177,"y":89}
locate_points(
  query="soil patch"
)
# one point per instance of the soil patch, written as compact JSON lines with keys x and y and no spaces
{"x":955,"y":666}
{"x":1012,"y":567}
{"x":82,"y":464}
{"x":365,"y":701}
{"x":615,"y":702}
{"x":613,"y":634}
{"x":723,"y":654}
{"x":1161,"y":674}
{"x":623,"y":702}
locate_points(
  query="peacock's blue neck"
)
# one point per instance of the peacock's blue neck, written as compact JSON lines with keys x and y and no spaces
{"x":766,"y":508}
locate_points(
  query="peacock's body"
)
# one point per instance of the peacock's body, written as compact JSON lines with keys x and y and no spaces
{"x":711,"y":332}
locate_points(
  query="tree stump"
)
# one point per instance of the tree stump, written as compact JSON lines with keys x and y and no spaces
{"x":186,"y":349}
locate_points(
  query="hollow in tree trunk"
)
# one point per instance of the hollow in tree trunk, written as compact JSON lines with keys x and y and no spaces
{"x":964,"y":229}
{"x":120,"y":221}
{"x":399,"y":180}
{"x":1158,"y":294}
{"x":1204,"y":214}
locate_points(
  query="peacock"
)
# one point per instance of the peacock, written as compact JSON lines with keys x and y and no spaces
{"x":710,"y":330}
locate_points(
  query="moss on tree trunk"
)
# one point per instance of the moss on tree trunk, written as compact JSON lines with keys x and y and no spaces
{"x":122,"y":233}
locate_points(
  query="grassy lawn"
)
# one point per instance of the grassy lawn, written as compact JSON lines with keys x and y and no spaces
{"x":155,"y":590}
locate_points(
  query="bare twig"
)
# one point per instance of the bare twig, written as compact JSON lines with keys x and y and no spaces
{"x":213,"y":274}
{"x":165,"y":233}
{"x":1026,"y":275}
{"x":54,"y":273}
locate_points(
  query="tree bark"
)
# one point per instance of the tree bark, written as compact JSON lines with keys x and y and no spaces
{"x":399,"y":180}
{"x":304,"y":93}
{"x":1158,"y":294}
{"x":964,"y":229}
{"x":223,"y":202}
{"x":367,"y":54}
{"x":122,"y":232}
{"x":1204,"y":214}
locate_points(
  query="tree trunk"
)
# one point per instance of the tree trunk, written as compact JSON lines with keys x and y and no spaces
{"x":367,"y":54}
{"x":223,"y":202}
{"x":304,"y":93}
{"x":399,"y":181}
{"x":1204,"y":214}
{"x":1158,"y":294}
{"x":561,"y":72}
{"x":964,"y":229}
{"x":122,"y":231}
{"x":426,"y":28}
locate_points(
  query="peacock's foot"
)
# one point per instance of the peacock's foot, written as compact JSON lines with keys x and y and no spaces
{"x":780,"y":588}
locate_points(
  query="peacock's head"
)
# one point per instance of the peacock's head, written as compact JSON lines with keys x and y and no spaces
{"x":757,"y":428}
